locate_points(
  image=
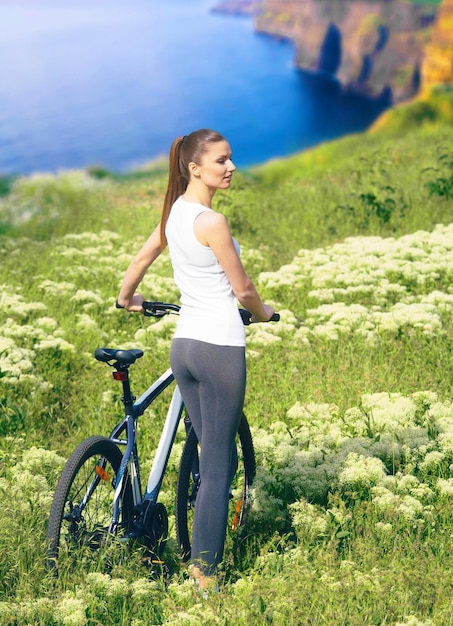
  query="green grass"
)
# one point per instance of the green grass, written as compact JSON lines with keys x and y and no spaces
{"x":349,"y":397}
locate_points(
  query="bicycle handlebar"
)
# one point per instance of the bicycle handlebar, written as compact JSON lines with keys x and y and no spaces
{"x":159,"y":309}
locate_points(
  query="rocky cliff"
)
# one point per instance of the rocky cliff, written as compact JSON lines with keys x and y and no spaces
{"x":376,"y":48}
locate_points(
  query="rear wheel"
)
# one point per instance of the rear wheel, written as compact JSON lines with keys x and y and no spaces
{"x":81,"y":513}
{"x":189,"y":482}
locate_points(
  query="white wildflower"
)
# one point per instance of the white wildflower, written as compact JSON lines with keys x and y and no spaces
{"x":432,"y":461}
{"x":47,"y":323}
{"x":53,"y":288}
{"x":260,"y":336}
{"x":143,"y":588}
{"x":82,"y":295}
{"x":85,"y":322}
{"x":71,"y":611}
{"x":446,"y":442}
{"x":388,"y":411}
{"x":308,"y":520}
{"x":405,"y":483}
{"x":405,"y":507}
{"x":361,"y":472}
{"x":384,"y":528}
{"x":55,"y":343}
{"x":412,"y":620}
{"x":445,"y":487}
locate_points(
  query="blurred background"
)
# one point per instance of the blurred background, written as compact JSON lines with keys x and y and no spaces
{"x":110,"y":83}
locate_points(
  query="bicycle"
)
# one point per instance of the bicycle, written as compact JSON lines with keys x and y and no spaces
{"x":99,"y":502}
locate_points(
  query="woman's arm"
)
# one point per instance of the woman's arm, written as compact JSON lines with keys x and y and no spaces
{"x":211,"y":229}
{"x":137,"y":268}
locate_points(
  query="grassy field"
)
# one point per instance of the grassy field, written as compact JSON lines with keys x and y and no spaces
{"x":349,"y":397}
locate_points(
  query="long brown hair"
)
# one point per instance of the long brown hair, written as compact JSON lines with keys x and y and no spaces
{"x":184,"y":150}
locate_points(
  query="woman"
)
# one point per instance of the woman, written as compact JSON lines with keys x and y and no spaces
{"x":208,"y":349}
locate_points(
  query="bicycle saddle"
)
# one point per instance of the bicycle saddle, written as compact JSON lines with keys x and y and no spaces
{"x":125,"y":357}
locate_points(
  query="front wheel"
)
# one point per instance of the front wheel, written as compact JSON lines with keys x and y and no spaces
{"x":81,"y":513}
{"x":189,"y":482}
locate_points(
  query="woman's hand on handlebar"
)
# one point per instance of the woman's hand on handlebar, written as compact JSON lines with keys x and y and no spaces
{"x":269,"y":312}
{"x":135,"y":303}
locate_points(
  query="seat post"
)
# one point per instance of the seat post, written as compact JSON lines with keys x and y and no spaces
{"x":121,"y":373}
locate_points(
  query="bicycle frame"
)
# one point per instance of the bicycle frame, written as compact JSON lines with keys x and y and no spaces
{"x":133,"y":411}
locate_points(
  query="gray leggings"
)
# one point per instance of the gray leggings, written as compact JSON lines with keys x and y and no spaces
{"x":212,"y":383}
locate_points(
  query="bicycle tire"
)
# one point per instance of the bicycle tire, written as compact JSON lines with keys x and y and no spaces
{"x":187,"y":488}
{"x":72,"y":534}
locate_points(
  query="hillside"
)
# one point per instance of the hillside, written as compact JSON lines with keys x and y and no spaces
{"x":348,"y":397}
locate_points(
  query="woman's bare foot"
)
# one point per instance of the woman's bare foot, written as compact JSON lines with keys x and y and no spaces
{"x":204,"y":582}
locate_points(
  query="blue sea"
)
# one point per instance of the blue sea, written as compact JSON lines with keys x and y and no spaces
{"x":112,"y":82}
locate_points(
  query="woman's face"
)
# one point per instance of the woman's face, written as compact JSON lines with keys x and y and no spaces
{"x":216,"y":167}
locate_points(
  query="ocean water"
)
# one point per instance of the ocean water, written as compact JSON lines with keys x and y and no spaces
{"x":112,"y":82}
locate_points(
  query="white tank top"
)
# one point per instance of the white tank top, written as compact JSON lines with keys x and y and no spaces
{"x":209,"y":310}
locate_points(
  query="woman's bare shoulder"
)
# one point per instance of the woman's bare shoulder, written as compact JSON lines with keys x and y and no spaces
{"x":211,"y":226}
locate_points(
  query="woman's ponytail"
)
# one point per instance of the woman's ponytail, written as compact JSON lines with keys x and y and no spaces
{"x":184,"y":150}
{"x":178,"y":180}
